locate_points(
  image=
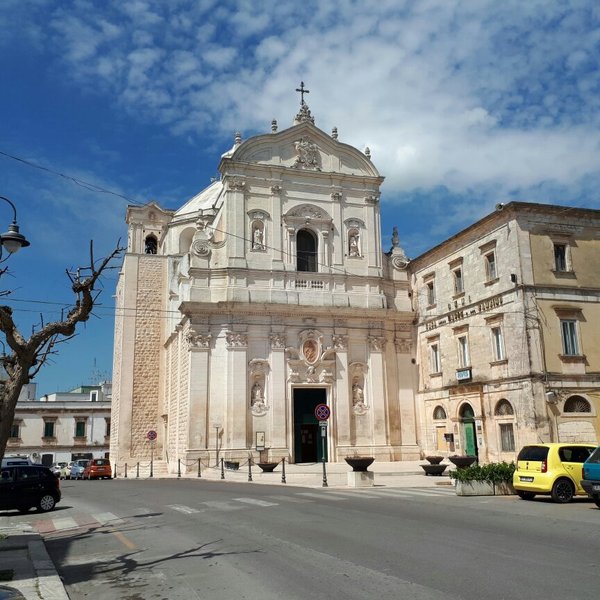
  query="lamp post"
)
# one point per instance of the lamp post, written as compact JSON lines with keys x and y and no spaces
{"x":12,"y":240}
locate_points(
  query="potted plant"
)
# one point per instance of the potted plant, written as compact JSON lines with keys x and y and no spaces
{"x":434,"y":467}
{"x":494,"y":479}
{"x":359,"y":463}
{"x":462,"y":461}
{"x":265,"y":465}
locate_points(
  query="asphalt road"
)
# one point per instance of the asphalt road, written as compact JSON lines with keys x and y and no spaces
{"x":183,"y":539}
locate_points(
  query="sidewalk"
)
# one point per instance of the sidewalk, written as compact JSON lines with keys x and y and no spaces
{"x":23,"y":553}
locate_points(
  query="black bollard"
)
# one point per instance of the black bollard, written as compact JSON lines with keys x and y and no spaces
{"x":115,"y":473}
{"x":250,"y":469}
{"x":199,"y":467}
{"x":178,"y":467}
{"x":137,"y":470}
{"x":222,"y":470}
{"x":125,"y":470}
{"x":283,"y":470}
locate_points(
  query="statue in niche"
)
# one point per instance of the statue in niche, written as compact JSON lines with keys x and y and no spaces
{"x":358,"y":397}
{"x":353,"y":244}
{"x":257,"y":238}
{"x":256,"y":395}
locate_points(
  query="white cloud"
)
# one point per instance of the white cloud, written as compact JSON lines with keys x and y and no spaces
{"x":461,"y":95}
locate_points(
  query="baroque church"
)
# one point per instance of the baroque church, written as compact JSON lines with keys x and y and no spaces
{"x":266,"y":295}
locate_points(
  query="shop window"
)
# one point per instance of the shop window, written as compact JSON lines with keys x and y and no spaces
{"x":507,"y":437}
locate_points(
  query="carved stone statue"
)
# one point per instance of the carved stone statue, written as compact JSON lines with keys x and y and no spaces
{"x":256,"y":395}
{"x":353,"y":245}
{"x":357,"y":394}
{"x":257,"y":239}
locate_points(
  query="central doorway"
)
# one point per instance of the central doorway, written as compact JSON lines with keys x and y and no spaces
{"x":308,"y":444}
{"x":468,"y":423}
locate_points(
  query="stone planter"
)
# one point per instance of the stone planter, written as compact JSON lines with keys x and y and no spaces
{"x":434,"y":460}
{"x":474,"y":488}
{"x":267,"y":467}
{"x":434,"y":469}
{"x":359,"y":463}
{"x":462,"y":461}
{"x":483,"y":488}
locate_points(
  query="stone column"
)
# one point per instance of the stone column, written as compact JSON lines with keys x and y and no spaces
{"x":236,"y":221}
{"x":378,"y":390}
{"x":277,"y":393}
{"x":406,"y":396}
{"x":276,"y":230}
{"x":341,"y":410}
{"x":199,"y":349}
{"x":236,"y":413}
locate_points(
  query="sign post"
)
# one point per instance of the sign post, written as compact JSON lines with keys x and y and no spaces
{"x":151,"y":435}
{"x":322,"y":412}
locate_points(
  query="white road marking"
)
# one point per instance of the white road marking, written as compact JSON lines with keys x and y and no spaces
{"x":108,"y":519}
{"x":256,"y":502}
{"x":323,"y":496}
{"x":64,"y":523}
{"x":188,"y":510}
{"x":291,"y":499}
{"x":222,"y":505}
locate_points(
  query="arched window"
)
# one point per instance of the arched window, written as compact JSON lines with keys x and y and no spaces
{"x":504,"y":409}
{"x":151,"y":244}
{"x":466,"y":412}
{"x":577,"y":404}
{"x":439,"y":413}
{"x":306,"y":251}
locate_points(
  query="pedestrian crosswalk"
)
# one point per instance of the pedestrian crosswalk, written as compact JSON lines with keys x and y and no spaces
{"x":51,"y":524}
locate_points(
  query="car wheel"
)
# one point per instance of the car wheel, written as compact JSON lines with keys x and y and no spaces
{"x":46,"y":503}
{"x":562,"y":491}
{"x":525,"y":495}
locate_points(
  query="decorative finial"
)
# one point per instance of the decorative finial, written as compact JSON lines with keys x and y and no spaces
{"x":273,"y":125}
{"x":238,"y":138}
{"x":334,"y":133}
{"x":368,"y":152}
{"x":395,"y":237}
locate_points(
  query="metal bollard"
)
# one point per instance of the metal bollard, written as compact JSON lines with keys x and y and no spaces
{"x":199,"y":467}
{"x":137,"y":470}
{"x":151,"y":467}
{"x":178,"y":467}
{"x":222,"y":470}
{"x":125,"y":470}
{"x":250,"y":469}
{"x":115,"y":473}
{"x":283,"y":470}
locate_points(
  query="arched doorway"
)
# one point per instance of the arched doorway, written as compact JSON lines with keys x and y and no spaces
{"x":467,"y":419}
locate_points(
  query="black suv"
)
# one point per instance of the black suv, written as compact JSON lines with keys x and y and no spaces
{"x":25,"y":486}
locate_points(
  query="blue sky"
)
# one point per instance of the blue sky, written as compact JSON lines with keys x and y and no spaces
{"x":463,"y":105}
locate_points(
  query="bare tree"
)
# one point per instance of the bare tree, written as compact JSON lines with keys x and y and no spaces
{"x":27,"y":356}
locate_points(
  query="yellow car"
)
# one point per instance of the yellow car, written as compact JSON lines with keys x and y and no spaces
{"x":554,"y":469}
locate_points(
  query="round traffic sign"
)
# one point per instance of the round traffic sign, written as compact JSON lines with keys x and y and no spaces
{"x":151,"y":435}
{"x":322,"y":412}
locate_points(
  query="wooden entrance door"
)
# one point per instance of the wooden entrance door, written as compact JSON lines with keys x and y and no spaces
{"x":308,"y":444}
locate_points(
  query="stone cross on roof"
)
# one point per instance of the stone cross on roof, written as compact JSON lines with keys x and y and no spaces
{"x":302,"y":91}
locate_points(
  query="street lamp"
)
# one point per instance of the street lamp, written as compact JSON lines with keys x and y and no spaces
{"x":12,"y":240}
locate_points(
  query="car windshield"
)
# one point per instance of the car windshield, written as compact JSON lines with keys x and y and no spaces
{"x":101,"y":462}
{"x":533,"y":453}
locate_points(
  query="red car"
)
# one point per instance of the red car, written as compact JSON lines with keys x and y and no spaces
{"x":98,"y":468}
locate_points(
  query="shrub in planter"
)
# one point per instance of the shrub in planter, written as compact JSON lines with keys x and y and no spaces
{"x":492,"y":473}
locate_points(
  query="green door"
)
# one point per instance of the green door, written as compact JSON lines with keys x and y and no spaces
{"x":470,"y":445}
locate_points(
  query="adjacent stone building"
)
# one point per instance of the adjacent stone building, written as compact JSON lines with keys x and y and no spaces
{"x":507,"y":349}
{"x":262,"y":297}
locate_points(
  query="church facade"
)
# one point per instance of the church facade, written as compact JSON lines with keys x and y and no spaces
{"x":264,"y":296}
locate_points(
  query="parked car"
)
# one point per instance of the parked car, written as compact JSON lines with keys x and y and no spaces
{"x":9,"y":461}
{"x":25,"y":486}
{"x":98,"y":468}
{"x":591,"y":476}
{"x":77,"y":468}
{"x":57,"y":468}
{"x":554,"y":469}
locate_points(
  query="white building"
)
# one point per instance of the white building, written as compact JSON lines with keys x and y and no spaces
{"x":64,"y":426}
{"x":260,"y":298}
